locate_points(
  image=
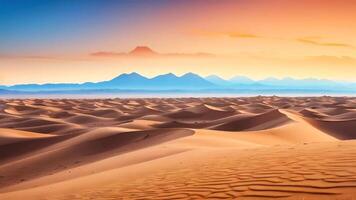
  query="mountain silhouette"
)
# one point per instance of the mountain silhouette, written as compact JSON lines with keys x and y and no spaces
{"x":143,"y":51}
{"x":126,"y":81}
{"x":188,"y":81}
{"x":132,"y":77}
{"x":217,"y":80}
{"x":123,"y":81}
{"x":241,"y":80}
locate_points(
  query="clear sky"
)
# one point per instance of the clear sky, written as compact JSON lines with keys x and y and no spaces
{"x":57,"y":40}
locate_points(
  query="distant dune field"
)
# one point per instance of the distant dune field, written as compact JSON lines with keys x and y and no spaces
{"x":178,"y":148}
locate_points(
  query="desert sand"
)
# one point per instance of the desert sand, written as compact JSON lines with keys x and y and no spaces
{"x":178,"y":148}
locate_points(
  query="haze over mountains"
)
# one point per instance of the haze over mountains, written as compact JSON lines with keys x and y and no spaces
{"x":188,"y":81}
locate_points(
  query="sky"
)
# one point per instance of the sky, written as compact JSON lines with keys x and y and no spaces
{"x":45,"y":41}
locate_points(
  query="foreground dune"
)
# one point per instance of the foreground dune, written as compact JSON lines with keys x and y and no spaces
{"x":198,"y":148}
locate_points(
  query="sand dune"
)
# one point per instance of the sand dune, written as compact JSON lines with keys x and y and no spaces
{"x":341,"y":129}
{"x":178,"y":148}
{"x":200,"y":112}
{"x":8,"y":136}
{"x":262,"y":121}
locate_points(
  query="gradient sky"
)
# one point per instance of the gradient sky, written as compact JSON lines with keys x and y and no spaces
{"x":52,"y":41}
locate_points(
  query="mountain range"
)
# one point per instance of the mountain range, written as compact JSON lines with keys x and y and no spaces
{"x":131,"y":81}
{"x":188,"y":81}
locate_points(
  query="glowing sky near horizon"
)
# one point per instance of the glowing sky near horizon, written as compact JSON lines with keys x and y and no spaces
{"x":51,"y":41}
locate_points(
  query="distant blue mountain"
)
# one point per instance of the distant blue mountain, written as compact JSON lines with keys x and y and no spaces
{"x":235,"y":81}
{"x":217,"y":80}
{"x":187,"y":82}
{"x":8,"y":92}
{"x":123,"y":81}
{"x":241,"y":80}
{"x":126,"y":81}
{"x":303,"y":83}
{"x":195,"y":81}
{"x":43,"y":87}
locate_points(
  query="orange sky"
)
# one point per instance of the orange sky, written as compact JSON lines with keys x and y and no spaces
{"x":256,"y":38}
